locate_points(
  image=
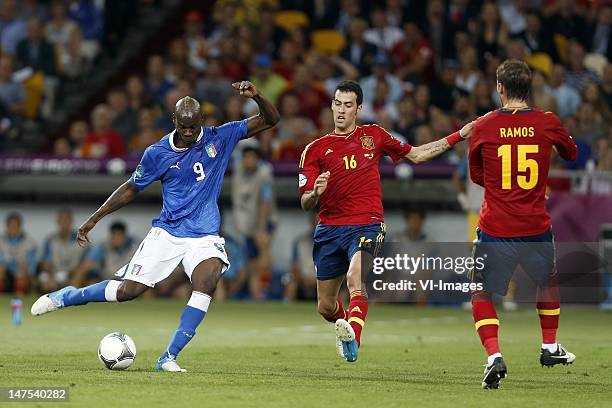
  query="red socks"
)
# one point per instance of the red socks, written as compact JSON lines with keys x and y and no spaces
{"x":486,"y":321}
{"x":340,"y":313}
{"x":549,"y":309}
{"x":357,"y":312}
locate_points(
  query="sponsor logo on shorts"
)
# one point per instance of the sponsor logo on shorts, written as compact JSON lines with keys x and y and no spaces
{"x":136,"y":269}
{"x":219,"y":247}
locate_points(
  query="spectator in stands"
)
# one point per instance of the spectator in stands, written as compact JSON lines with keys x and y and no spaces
{"x":74,"y":60}
{"x":156,"y":82}
{"x":17,"y":256}
{"x":177,"y":61}
{"x":61,"y":147}
{"x":468,"y":74}
{"x":105,"y":259}
{"x":288,"y":60}
{"x":413,"y":56}
{"x":289,"y":107}
{"x":566,"y":97}
{"x":578,"y":74}
{"x":443,"y":88}
{"x":312,"y":95}
{"x":254,"y":209}
{"x":590,"y":124}
{"x":380,"y":71}
{"x":407,"y":121}
{"x":268,"y":82}
{"x":62,"y":256}
{"x":78,"y":135}
{"x":423,"y":134}
{"x":358,"y":51}
{"x":422,"y":102}
{"x":331,"y":70}
{"x":12,"y":93}
{"x":565,"y":18}
{"x":379,"y":105}
{"x":89,"y":18}
{"x":591,"y":93}
{"x":439,"y":31}
{"x":539,"y":95}
{"x":137,"y":96}
{"x":196,"y":42}
{"x":214,"y":87}
{"x":103,"y":140}
{"x":301,"y":282}
{"x":233,"y":109}
{"x":382,"y":34}
{"x":124,"y":118}
{"x":60,"y":27}
{"x":147,"y":132}
{"x":231,"y":59}
{"x":601,"y":37}
{"x":298,"y":132}
{"x":164,"y":121}
{"x":481,"y":99}
{"x":534,"y":37}
{"x":489,"y":30}
{"x":12,"y":27}
{"x":349,"y":11}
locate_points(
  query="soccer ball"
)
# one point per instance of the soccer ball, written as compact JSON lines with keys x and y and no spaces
{"x":117,"y":351}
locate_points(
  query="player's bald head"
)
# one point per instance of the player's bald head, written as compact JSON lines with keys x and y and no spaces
{"x":187,"y":111}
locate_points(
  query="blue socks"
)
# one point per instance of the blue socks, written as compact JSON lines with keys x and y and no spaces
{"x":190,"y":319}
{"x":105,"y":291}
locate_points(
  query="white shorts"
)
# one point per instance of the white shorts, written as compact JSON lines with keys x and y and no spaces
{"x":160,"y":253}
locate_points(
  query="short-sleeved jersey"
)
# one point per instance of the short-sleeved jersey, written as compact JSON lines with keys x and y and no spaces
{"x":353,"y":195}
{"x":191,"y":178}
{"x":510,"y":157}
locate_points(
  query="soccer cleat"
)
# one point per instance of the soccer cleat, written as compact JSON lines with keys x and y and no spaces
{"x":339,"y":348}
{"x":494,"y":373}
{"x":167,"y":362}
{"x":346,"y":336}
{"x":561,"y":356}
{"x":50,"y":302}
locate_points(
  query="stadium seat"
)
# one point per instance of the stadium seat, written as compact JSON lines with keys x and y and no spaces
{"x":289,"y":20}
{"x":328,"y":41}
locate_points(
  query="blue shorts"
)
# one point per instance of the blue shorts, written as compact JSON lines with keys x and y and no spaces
{"x":335,"y":245}
{"x":501,"y":256}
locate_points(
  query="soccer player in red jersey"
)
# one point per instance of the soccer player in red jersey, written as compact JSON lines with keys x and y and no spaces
{"x":339,"y":172}
{"x":510,"y":156}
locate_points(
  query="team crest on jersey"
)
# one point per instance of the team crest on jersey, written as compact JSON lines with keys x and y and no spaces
{"x":211,"y":150}
{"x":136,"y":269}
{"x":367,"y":142}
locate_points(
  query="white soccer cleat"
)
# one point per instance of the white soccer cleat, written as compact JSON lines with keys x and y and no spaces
{"x":172,"y":366}
{"x":167,"y":362}
{"x":344,"y":331}
{"x":43,"y":305}
{"x":339,"y":348}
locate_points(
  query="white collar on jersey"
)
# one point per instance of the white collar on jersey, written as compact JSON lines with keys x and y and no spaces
{"x":182,"y":149}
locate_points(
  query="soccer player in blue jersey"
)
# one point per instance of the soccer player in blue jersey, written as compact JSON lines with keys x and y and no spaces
{"x":190,"y":163}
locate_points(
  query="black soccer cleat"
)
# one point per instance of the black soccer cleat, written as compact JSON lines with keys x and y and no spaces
{"x":494,"y":373}
{"x":561,"y":356}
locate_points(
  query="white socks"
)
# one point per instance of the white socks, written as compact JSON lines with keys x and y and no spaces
{"x":110,"y":292}
{"x":550,"y":347}
{"x":199,"y":300}
{"x":492,"y":357}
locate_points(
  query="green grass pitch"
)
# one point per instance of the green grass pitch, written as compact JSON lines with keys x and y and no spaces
{"x":284,"y":355}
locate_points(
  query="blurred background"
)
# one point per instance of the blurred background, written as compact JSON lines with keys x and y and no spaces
{"x":87,"y":85}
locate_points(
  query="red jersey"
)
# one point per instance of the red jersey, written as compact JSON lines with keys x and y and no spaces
{"x":353,"y":195}
{"x":510,"y":156}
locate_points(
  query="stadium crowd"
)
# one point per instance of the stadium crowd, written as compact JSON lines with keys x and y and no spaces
{"x":426,"y":69}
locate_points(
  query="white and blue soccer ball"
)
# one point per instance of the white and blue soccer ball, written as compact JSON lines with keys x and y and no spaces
{"x":117,"y":351}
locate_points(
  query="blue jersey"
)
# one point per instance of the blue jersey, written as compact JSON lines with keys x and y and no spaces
{"x":191,"y":178}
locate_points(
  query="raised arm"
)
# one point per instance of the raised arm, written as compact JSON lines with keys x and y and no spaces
{"x":428,"y":151}
{"x":268,"y":114}
{"x":119,"y":198}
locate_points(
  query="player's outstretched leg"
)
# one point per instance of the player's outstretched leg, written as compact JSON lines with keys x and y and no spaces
{"x":487,"y":324}
{"x":204,"y":280}
{"x":105,"y":291}
{"x":549,"y":309}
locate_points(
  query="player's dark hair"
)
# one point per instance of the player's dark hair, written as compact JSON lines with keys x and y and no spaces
{"x":515,"y":76}
{"x":351,"y":86}
{"x":118,"y":226}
